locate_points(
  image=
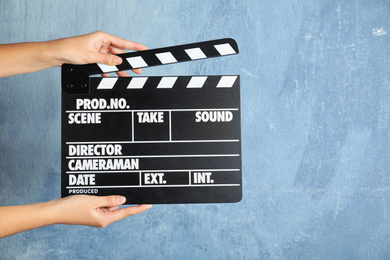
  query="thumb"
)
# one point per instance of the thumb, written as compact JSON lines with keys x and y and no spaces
{"x":108,"y":59}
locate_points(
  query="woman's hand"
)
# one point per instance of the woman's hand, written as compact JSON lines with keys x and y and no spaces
{"x":92,"y":211}
{"x":73,"y":210}
{"x":97,"y":47}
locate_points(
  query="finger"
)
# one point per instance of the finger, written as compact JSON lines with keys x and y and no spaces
{"x":108,"y":59}
{"x":112,"y":208}
{"x":128,"y":45}
{"x":137,"y":46}
{"x":129,"y":211}
{"x":122,"y":74}
{"x":110,"y":201}
{"x":125,"y":44}
{"x":137,"y":71}
{"x":115,"y":50}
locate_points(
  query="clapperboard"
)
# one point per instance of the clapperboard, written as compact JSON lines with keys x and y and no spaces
{"x":153,"y":139}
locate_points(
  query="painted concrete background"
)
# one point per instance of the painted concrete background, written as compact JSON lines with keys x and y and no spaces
{"x":315,"y":86}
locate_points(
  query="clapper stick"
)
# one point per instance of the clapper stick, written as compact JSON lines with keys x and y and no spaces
{"x":76,"y":77}
{"x":170,"y":139}
{"x":167,"y":55}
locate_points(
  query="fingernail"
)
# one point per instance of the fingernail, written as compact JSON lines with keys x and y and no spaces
{"x":117,"y":60}
{"x":121,"y":199}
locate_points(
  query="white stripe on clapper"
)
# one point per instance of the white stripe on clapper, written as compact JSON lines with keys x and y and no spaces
{"x":107,"y":83}
{"x":166,"y":57}
{"x":167,"y":82}
{"x":195,"y":53}
{"x":107,"y":68}
{"x":136,"y":62}
{"x":137,"y":83}
{"x":224,"y":49}
{"x":196,"y":82}
{"x":226,"y":81}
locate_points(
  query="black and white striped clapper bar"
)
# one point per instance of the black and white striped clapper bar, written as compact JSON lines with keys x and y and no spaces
{"x":167,"y":139}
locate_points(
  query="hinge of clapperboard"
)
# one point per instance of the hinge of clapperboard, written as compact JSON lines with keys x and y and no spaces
{"x":76,"y":78}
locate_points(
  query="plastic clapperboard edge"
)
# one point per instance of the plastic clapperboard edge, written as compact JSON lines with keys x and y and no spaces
{"x":155,"y":140}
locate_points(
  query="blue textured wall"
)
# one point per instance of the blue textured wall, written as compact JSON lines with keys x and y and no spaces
{"x":315,"y":82}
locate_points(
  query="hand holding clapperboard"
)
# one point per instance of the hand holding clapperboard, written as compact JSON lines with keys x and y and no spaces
{"x":169,"y":139}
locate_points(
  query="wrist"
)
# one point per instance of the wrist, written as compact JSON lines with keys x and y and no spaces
{"x":52,"y":212}
{"x":54,"y":53}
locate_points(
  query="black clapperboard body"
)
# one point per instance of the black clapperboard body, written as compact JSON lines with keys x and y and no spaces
{"x":170,"y":139}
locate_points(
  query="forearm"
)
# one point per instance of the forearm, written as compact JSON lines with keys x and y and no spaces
{"x":27,"y":57}
{"x":14,"y":219}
